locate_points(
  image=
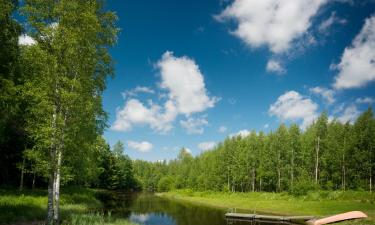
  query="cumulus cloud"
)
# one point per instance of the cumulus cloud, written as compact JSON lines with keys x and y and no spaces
{"x":186,"y":95}
{"x":365,"y":100}
{"x":274,"y":66}
{"x":272,"y":23}
{"x":242,"y":133}
{"x":184,"y":81}
{"x":205,"y":146}
{"x":222,"y":129}
{"x":293,"y":106}
{"x":357,"y":65}
{"x":350,"y":114}
{"x":194,"y":125}
{"x":143,"y":146}
{"x":26,"y":40}
{"x":327,"y":94}
{"x":136,"y":113}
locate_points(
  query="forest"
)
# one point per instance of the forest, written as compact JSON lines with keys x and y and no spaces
{"x":51,"y":87}
{"x":52,"y":122}
{"x":328,"y":155}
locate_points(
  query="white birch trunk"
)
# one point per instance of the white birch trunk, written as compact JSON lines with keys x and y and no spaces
{"x":317,"y":162}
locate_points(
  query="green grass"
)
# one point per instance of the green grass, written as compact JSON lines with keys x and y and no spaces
{"x":318,"y":204}
{"x":95,"y":219}
{"x":75,"y":205}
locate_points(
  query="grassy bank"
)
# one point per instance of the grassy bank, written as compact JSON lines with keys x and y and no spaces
{"x":75,"y":206}
{"x":318,"y":204}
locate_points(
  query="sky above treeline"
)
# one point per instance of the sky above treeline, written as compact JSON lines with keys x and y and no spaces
{"x":190,"y":73}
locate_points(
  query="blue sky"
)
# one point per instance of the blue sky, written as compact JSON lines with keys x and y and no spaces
{"x":190,"y":73}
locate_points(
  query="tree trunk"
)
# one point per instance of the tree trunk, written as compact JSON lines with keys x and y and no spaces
{"x":56,"y":213}
{"x":51,"y":180}
{"x":343,"y":172}
{"x":317,"y":162}
{"x":228,"y":180}
{"x":22,"y":173}
{"x":370,"y":170}
{"x":50,"y":199}
{"x":253,"y":183}
{"x":278,"y":179}
{"x":292,"y":170}
{"x":33,"y":183}
{"x":343,"y":184}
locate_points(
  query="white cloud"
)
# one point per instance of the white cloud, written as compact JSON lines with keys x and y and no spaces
{"x":350,"y":114}
{"x":327,"y":94}
{"x":136,"y":90}
{"x":143,"y":146}
{"x":222,"y":129}
{"x":293,"y":106}
{"x":186,"y":95}
{"x":274,"y":66}
{"x":327,"y":24}
{"x":194,"y":125}
{"x":272,"y":23}
{"x":365,"y":100}
{"x":357,"y":65}
{"x":242,"y":133}
{"x":266,"y":126}
{"x":26,"y":40}
{"x":204,"y":146}
{"x":185,"y":83}
{"x":136,"y":113}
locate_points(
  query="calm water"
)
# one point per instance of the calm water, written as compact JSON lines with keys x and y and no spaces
{"x":149,"y":209}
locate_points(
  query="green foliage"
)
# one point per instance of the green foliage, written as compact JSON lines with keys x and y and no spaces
{"x":326,"y":155}
{"x":76,"y":203}
{"x":317,"y":203}
{"x":303,"y":187}
{"x":165,"y":184}
{"x":96,"y":219}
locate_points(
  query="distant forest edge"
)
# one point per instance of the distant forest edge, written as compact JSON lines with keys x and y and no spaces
{"x":327,"y":155}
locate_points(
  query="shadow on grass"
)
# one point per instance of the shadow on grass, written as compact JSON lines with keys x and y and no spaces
{"x":14,"y":213}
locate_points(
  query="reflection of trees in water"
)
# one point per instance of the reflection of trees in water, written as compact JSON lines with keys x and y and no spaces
{"x":182,"y":213}
{"x":118,"y":203}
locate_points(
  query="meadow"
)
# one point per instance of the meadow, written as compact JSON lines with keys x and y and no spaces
{"x":79,"y":206}
{"x":317,"y":203}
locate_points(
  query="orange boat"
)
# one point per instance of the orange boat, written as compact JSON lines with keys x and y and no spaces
{"x":338,"y":218}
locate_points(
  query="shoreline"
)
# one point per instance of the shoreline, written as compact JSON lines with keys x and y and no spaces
{"x":274,"y":204}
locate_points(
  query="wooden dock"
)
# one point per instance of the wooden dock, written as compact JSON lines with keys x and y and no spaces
{"x":292,"y":219}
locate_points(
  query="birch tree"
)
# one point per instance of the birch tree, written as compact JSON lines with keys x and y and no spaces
{"x":68,"y":67}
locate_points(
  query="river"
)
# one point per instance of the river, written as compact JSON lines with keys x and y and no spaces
{"x":149,"y":209}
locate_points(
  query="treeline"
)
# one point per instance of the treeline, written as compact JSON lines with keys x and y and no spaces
{"x":327,"y":155}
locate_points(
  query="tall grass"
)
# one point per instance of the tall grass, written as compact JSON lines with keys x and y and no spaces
{"x":25,"y":206}
{"x":95,"y":219}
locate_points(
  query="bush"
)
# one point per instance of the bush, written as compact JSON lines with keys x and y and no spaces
{"x":302,"y":187}
{"x":165,"y":184}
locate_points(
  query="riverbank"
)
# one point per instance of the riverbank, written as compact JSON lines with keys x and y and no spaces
{"x":77,"y":206}
{"x":318,"y":204}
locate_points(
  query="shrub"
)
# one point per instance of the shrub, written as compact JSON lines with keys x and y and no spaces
{"x":165,"y":184}
{"x":302,"y":187}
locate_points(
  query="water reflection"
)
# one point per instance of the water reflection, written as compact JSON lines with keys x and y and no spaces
{"x":149,"y":209}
